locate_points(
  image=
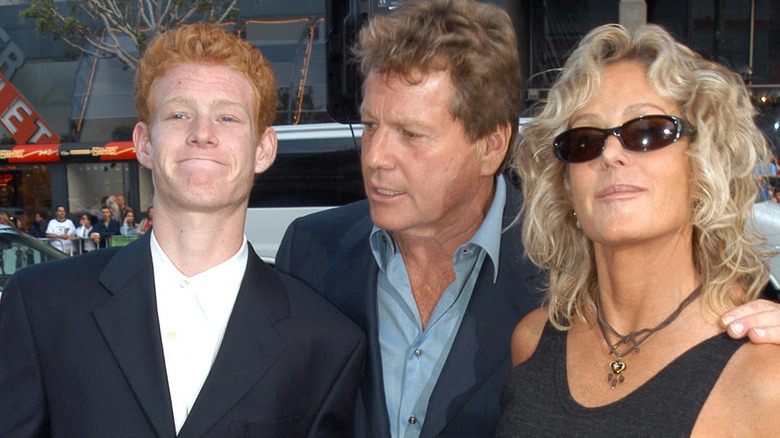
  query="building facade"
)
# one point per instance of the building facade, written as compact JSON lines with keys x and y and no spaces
{"x":88,"y":102}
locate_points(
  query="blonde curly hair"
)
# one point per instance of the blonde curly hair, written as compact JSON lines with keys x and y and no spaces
{"x":723,"y":154}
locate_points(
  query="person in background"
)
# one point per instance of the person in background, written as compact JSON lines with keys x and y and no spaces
{"x":60,"y":229}
{"x":22,"y":223}
{"x":185,"y":334}
{"x":104,"y":228}
{"x":128,"y":227}
{"x":112,"y":203}
{"x":637,"y":177}
{"x":766,"y":177}
{"x":38,"y":227}
{"x":146,"y":223}
{"x":83,"y":232}
{"x":122,"y":204}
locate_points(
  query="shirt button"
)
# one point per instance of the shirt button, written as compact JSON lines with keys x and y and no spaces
{"x":412,"y":420}
{"x":172,"y":335}
{"x":184,"y":283}
{"x":418,"y":352}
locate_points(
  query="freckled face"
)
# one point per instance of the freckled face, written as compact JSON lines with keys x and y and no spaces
{"x":203,"y":146}
{"x":622,"y":196}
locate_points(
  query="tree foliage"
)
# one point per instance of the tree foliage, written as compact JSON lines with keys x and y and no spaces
{"x":97,"y":27}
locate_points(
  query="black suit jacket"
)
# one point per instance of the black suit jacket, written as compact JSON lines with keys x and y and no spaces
{"x":330,"y":252}
{"x":105,"y":231}
{"x":81,"y":355}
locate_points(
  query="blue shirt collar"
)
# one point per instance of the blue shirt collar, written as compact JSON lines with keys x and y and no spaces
{"x":487,"y":237}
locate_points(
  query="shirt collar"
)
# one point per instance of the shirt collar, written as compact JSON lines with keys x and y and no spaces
{"x":216,"y":287}
{"x":487,"y":237}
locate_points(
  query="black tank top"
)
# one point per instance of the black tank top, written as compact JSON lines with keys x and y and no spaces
{"x":535,"y":398}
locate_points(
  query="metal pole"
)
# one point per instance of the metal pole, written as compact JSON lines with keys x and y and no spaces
{"x":752,"y":32}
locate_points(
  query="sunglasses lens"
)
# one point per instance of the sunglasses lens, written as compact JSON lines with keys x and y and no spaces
{"x":579,"y":144}
{"x":649,"y":133}
{"x":641,"y":134}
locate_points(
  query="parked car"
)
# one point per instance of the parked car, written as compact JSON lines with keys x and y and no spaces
{"x":317,"y":167}
{"x":18,"y":250}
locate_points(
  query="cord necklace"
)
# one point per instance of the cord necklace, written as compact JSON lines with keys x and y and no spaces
{"x":632,"y":340}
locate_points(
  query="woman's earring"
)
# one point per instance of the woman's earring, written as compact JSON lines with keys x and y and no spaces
{"x":576,"y":221}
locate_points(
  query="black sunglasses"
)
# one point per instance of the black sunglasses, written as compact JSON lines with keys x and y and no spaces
{"x":646,"y":133}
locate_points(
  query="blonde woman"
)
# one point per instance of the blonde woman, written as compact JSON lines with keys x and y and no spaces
{"x":637,"y":178}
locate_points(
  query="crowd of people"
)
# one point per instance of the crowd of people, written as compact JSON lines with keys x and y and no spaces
{"x":768,"y":179}
{"x":451,"y":302}
{"x":91,"y":233}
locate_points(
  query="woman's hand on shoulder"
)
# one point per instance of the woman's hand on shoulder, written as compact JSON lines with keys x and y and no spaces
{"x":526,"y":335}
{"x":759,"y":320}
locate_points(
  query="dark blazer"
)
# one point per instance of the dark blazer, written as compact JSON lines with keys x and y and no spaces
{"x":330,"y":252}
{"x":81,"y":355}
{"x":105,"y":231}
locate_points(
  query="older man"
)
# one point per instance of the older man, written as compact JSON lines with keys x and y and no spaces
{"x":184,"y":332}
{"x":424,"y":265}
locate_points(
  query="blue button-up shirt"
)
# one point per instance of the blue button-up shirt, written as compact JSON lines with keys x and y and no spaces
{"x":412,"y":357}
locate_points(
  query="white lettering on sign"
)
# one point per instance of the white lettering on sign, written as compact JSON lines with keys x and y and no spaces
{"x":19,"y":118}
{"x":42,"y":131}
{"x":15,"y":111}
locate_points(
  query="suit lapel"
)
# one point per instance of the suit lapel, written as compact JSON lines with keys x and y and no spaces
{"x":483,"y":338}
{"x":353,"y":290}
{"x":250,"y":346}
{"x":130,"y":326}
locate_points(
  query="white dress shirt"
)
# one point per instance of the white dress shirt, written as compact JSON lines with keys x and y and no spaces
{"x":193,"y":313}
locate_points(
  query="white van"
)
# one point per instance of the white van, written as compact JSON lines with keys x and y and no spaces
{"x":317,"y":167}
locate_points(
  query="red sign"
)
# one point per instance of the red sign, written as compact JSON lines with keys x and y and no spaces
{"x":30,"y":153}
{"x":68,"y":152}
{"x":20,"y":119}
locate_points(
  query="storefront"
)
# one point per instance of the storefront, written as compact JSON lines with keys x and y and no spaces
{"x":88,"y":102}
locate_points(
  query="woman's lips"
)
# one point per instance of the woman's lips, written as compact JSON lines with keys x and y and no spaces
{"x":618,"y":191}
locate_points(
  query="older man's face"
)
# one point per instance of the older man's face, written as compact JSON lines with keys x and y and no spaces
{"x":422,"y":173}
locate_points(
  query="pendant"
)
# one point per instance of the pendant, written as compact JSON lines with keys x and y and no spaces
{"x":616,"y":377}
